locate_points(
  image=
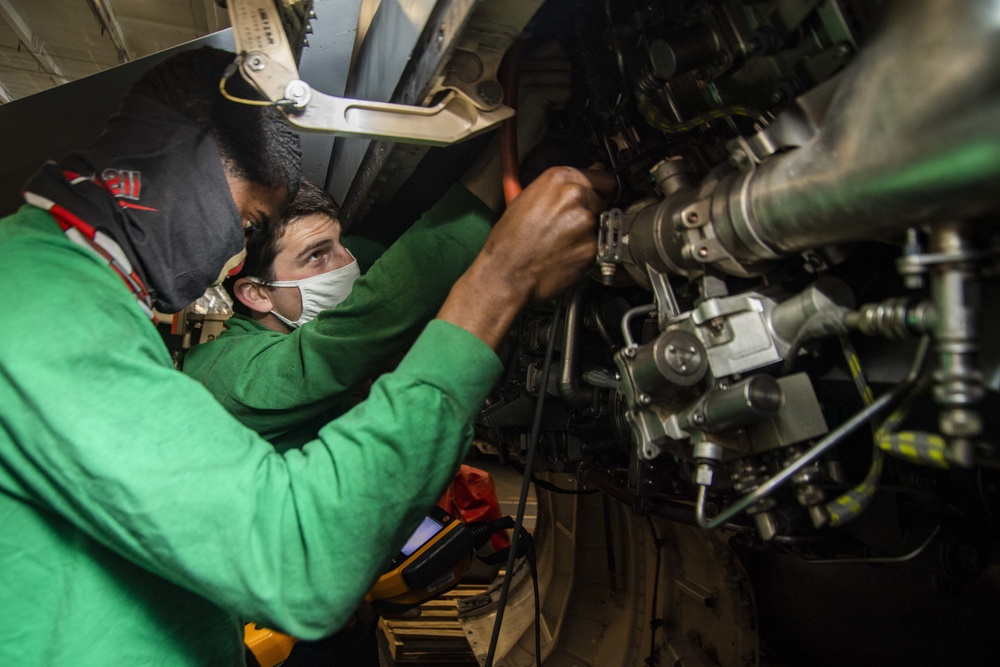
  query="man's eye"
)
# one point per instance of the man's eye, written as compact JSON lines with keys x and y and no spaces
{"x":249,"y":228}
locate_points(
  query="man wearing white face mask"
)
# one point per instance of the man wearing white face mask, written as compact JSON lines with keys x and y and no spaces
{"x":288,"y":362}
{"x":296,"y":270}
{"x":312,"y":271}
{"x":318,"y":292}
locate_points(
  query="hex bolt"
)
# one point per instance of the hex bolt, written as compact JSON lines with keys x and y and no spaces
{"x":298,"y":92}
{"x":739,"y":158}
{"x":490,"y":91}
{"x":691,"y":217}
{"x":256,"y":62}
{"x":645,"y":399}
{"x":704,"y":474}
{"x":703,"y":252}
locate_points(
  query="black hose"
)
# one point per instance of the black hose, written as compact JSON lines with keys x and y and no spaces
{"x":522,"y":502}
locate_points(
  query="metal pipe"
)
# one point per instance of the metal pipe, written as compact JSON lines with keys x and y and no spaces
{"x":958,"y":388}
{"x":665,"y":509}
{"x":699,"y":507}
{"x":569,"y":374}
{"x":898,"y":146}
{"x":627,"y":320}
{"x":877,"y":560}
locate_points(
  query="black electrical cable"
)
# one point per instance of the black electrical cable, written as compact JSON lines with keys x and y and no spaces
{"x":609,"y":546}
{"x":549,"y":486}
{"x":654,"y":621}
{"x":525,"y":486}
{"x":485,"y":529}
{"x":529,"y":555}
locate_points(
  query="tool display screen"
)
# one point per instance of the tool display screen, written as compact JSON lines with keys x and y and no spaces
{"x":427,"y":529}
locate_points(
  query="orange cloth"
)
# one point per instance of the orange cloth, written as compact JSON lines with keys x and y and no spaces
{"x":472,"y":496}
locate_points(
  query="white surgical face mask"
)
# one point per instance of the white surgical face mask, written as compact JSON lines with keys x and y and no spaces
{"x":319,"y":292}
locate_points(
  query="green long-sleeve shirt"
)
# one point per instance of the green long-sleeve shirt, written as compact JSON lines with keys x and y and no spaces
{"x":285,"y":386}
{"x":139,"y":521}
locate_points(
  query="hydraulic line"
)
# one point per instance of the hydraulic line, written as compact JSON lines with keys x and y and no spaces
{"x":853,"y":503}
{"x":627,"y":320}
{"x":919,"y":447}
{"x":828,"y":322}
{"x":874,"y":560}
{"x":928,"y":449}
{"x":657,"y":120}
{"x":879,"y":405}
{"x":510,"y":161}
{"x":569,"y":374}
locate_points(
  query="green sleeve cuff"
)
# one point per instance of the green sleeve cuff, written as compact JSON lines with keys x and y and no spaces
{"x":454,"y":360}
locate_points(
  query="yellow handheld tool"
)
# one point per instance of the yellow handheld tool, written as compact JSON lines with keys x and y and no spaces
{"x":431,"y":562}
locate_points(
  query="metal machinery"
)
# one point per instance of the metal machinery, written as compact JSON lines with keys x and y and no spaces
{"x":768,"y":434}
{"x":780,"y":377}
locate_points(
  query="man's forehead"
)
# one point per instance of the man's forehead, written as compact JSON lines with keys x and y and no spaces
{"x":306,"y":230}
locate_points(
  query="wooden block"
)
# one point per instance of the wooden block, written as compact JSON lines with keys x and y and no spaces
{"x":435,"y":637}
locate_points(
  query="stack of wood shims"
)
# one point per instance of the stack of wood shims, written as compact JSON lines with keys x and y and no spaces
{"x":435,"y":637}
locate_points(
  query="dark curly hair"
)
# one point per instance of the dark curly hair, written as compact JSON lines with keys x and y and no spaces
{"x":263,"y":245}
{"x":255,"y":142}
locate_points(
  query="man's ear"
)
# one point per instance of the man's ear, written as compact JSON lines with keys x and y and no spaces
{"x":255,"y":297}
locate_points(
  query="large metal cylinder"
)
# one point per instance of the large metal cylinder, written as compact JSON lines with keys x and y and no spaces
{"x":912,"y":135}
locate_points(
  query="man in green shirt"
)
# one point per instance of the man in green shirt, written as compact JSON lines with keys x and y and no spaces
{"x":297,"y":270}
{"x":286,"y":329}
{"x":139,"y":522}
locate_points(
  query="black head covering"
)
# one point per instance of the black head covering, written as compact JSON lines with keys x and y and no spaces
{"x":154,"y":183}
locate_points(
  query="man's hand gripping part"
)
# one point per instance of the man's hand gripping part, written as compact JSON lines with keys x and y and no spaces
{"x":544,"y":242}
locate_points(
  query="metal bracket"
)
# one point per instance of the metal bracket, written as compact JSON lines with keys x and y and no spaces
{"x":609,"y":244}
{"x":666,"y":303}
{"x":266,"y":60}
{"x":473,"y":68}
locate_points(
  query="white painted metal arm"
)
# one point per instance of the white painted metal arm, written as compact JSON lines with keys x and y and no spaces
{"x":266,"y":60}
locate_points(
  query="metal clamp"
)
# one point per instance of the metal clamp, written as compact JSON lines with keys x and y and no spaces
{"x":268,"y":63}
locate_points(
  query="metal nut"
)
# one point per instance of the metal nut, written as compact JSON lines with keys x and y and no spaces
{"x":256,"y":62}
{"x":490,"y":91}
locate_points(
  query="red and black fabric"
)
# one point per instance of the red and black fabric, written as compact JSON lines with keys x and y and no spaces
{"x":472,"y":496}
{"x":151,"y":197}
